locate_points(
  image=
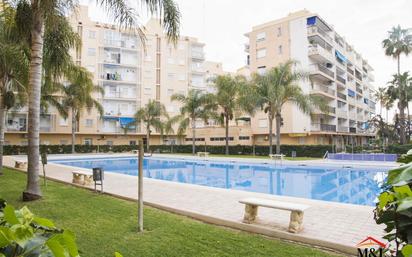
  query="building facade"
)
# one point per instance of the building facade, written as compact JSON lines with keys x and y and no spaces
{"x":338,"y":73}
{"x":130,"y":73}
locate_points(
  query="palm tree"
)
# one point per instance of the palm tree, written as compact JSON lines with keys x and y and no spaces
{"x":43,"y":14}
{"x":195,"y":106}
{"x":151,"y":115}
{"x":228,"y":98}
{"x":381,"y":96}
{"x":278,"y":86}
{"x":399,"y":42}
{"x":78,"y":95}
{"x":13,"y":70}
{"x":399,"y":86}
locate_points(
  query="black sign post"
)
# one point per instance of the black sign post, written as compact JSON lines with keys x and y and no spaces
{"x":44,"y":162}
{"x":98,"y":177}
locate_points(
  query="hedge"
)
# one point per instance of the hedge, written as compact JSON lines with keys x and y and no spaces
{"x":301,"y":150}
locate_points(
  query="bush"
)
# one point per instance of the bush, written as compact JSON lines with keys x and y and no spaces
{"x":394,"y":209}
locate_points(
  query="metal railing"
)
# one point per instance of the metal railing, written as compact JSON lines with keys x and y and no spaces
{"x":323,"y":127}
{"x":342,"y":128}
{"x":324,"y":89}
{"x":352,"y":129}
{"x":323,"y":69}
{"x":340,"y":79}
{"x":316,"y":30}
{"x":341,"y":96}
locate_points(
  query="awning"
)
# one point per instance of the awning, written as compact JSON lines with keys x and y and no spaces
{"x":311,"y":20}
{"x":340,"y":56}
{"x":110,"y":118}
{"x":124,"y":121}
{"x":298,"y":134}
{"x":351,"y":93}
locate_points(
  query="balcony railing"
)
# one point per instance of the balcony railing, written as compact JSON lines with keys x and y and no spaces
{"x":322,"y":69}
{"x":323,"y":127}
{"x":342,"y":128}
{"x":360,"y":116}
{"x":341,"y":96}
{"x":359,"y":90}
{"x":312,"y":30}
{"x":352,"y":72}
{"x":119,"y":95}
{"x":352,"y":130}
{"x":341,"y":112}
{"x":317,"y":49}
{"x":324,"y":89}
{"x":198,"y":55}
{"x":352,"y":115}
{"x":340,"y":79}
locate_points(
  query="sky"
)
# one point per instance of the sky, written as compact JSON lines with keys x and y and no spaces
{"x":221,"y":25}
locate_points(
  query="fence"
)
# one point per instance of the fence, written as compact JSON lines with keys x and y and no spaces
{"x":379,"y":157}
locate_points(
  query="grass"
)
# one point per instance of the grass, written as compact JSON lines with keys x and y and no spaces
{"x":104,"y":224}
{"x":253,"y":156}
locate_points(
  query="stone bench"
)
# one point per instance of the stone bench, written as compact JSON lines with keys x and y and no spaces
{"x":20,"y":165}
{"x":82,"y":178}
{"x":296,"y":216}
{"x":203,"y":154}
{"x":277,"y":156}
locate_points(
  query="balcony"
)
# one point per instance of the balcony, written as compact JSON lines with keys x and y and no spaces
{"x":350,"y":71}
{"x":351,"y":100}
{"x":343,"y":129}
{"x":322,"y":70}
{"x":323,"y":127}
{"x":323,"y":90}
{"x":320,"y":53}
{"x":46,"y":122}
{"x":352,"y":129}
{"x":352,"y":115}
{"x":359,"y":90}
{"x":360,"y":117}
{"x":341,"y":96}
{"x":198,"y":55}
{"x":315,"y":30}
{"x":341,"y":79}
{"x":16,"y":122}
{"x":342,"y":112}
{"x":247,"y":48}
{"x":120,"y":95}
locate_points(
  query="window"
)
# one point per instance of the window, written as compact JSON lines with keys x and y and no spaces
{"x":301,"y":140}
{"x":147,"y":91}
{"x":244,"y":137}
{"x":91,"y":51}
{"x":170,"y":61}
{"x":260,"y":53}
{"x":279,"y":31}
{"x":132,"y":142}
{"x":109,"y":142}
{"x":88,"y":141}
{"x":260,"y":36}
{"x":92,"y":34}
{"x":147,"y":58}
{"x":181,"y":62}
{"x":263,"y":123}
{"x":63,"y":142}
{"x":170,"y":76}
{"x":182,"y":77}
{"x":89,"y":123}
{"x":170,"y":92}
{"x":63,"y":122}
{"x":280,"y":49}
{"x":261,"y":70}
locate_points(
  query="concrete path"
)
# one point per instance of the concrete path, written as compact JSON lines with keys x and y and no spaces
{"x":326,"y":224}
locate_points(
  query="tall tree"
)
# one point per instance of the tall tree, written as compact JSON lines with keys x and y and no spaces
{"x":195,"y":106}
{"x":381,"y":96}
{"x":398,"y":90}
{"x":78,"y":95}
{"x":278,"y":86}
{"x":13,"y":69}
{"x":399,"y":42}
{"x":229,"y":99}
{"x":42,"y":14}
{"x":151,"y":115}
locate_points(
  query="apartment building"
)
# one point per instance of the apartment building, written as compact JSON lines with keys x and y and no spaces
{"x":130,"y":73}
{"x":338,"y":73}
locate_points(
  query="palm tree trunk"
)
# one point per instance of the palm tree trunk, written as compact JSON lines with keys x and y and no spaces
{"x":227,"y":134}
{"x":193,"y":136}
{"x":33,"y":191}
{"x":270,"y":133}
{"x":2,"y":129}
{"x":409,"y":121}
{"x":148,"y":139}
{"x":402,"y":122}
{"x":278,"y":121}
{"x":74,"y":128}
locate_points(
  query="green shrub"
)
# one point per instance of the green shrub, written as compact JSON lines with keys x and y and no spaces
{"x":394,"y":209}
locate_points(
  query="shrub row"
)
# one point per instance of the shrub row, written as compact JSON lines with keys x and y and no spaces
{"x":301,"y":150}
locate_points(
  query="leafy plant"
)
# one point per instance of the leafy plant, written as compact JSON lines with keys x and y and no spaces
{"x":406,"y":158}
{"x":394,"y":209}
{"x":24,"y":234}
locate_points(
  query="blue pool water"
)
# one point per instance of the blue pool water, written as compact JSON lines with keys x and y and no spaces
{"x":336,"y":184}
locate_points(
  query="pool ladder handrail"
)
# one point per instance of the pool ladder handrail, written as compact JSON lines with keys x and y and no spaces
{"x":325,"y":156}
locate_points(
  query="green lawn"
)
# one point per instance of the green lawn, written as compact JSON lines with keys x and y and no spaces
{"x":254,"y":156}
{"x":105,"y":224}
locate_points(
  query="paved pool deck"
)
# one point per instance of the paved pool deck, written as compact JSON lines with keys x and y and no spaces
{"x":331,"y":225}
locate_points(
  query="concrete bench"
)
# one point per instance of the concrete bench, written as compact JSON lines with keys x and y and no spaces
{"x":204,"y":154}
{"x":82,"y":178}
{"x":20,"y":165}
{"x":277,"y":156}
{"x":296,"y":216}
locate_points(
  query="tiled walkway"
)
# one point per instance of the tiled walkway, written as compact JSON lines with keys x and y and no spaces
{"x":332,"y":225}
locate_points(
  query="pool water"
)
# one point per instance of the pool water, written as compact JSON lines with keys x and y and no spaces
{"x":336,"y":184}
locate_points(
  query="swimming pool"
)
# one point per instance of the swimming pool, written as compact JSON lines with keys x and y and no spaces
{"x":336,"y":184}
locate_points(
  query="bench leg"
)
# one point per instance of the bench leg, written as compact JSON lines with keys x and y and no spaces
{"x":77,"y":179}
{"x":88,"y":179}
{"x":296,"y":221}
{"x":250,"y":213}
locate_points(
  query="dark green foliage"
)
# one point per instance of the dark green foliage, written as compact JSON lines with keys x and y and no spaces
{"x":301,"y":150}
